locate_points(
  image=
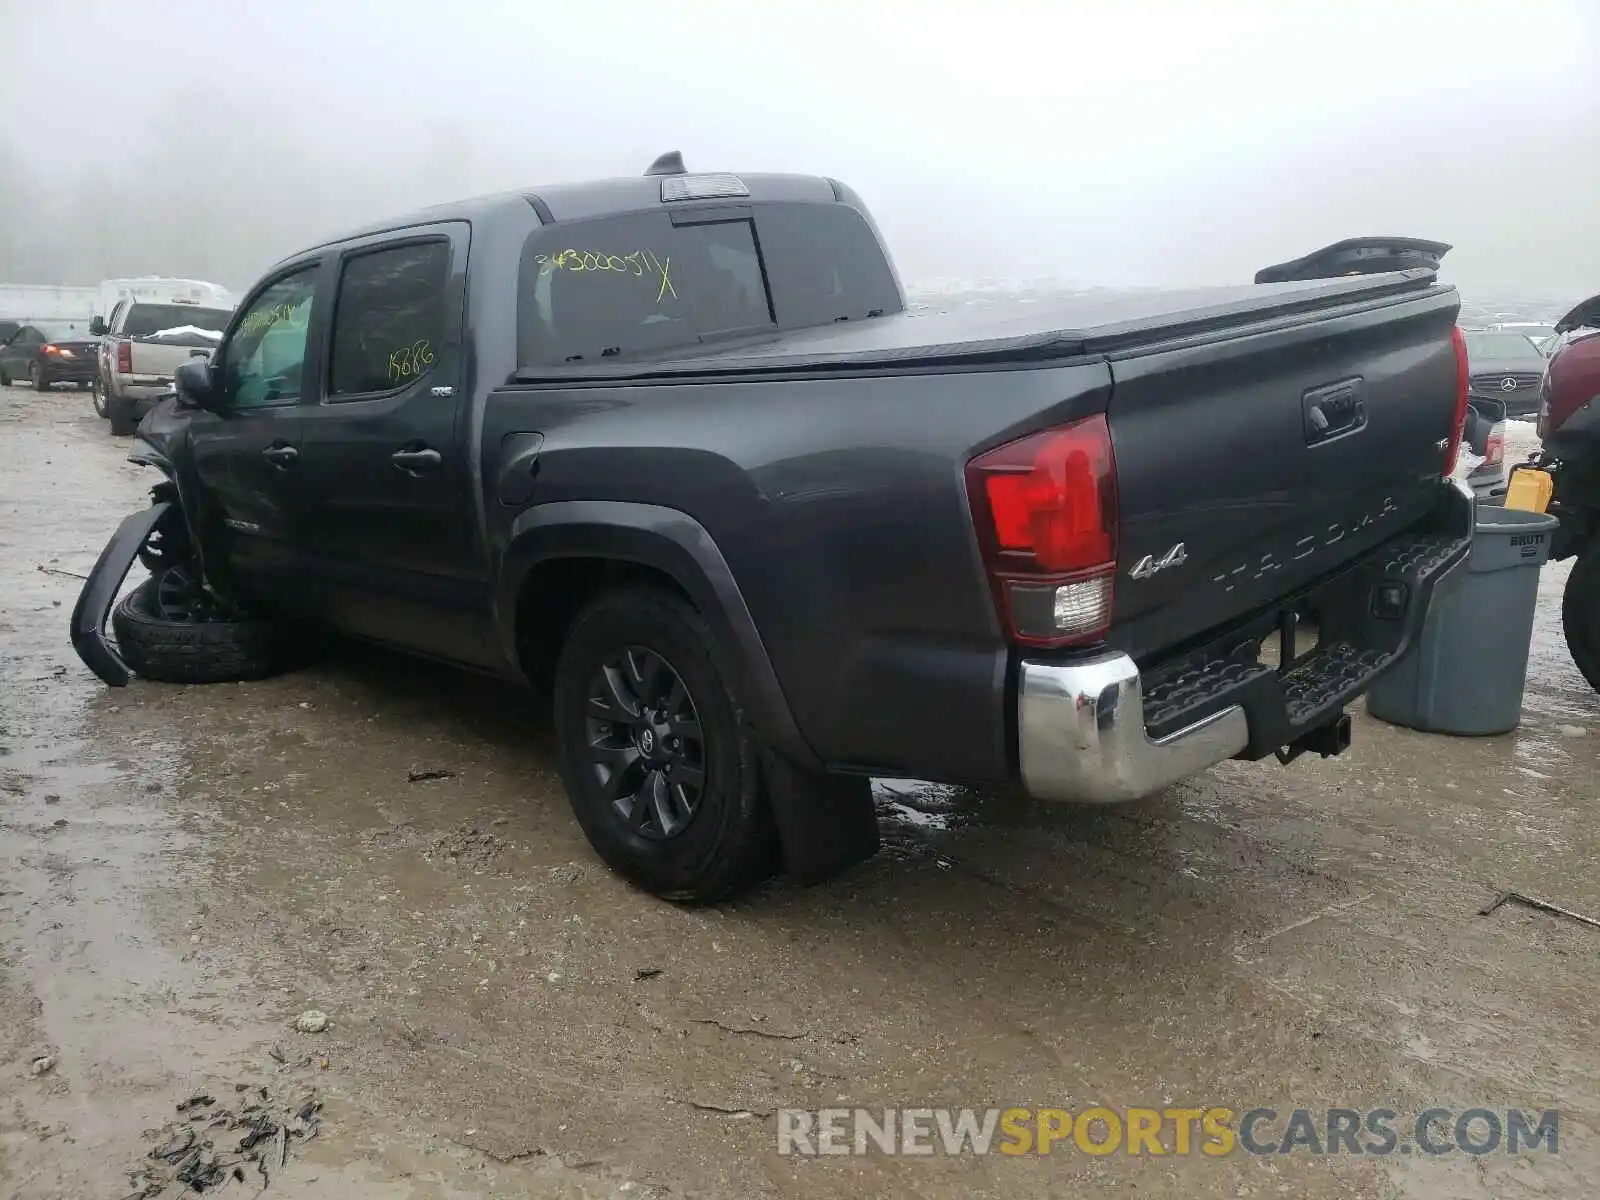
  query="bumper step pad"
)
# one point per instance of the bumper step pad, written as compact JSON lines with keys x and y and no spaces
{"x":1356,"y":643}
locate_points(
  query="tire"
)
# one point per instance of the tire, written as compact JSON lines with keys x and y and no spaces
{"x":726,"y":841}
{"x":123,"y":420}
{"x":98,"y":396}
{"x":195,"y":651}
{"x":36,"y":377}
{"x":5,"y":377}
{"x":1580,"y":614}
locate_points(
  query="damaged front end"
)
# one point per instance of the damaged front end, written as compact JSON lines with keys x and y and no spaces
{"x":98,"y":652}
{"x":156,"y":536}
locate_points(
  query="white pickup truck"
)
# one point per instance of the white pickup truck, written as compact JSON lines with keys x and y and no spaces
{"x":142,"y":345}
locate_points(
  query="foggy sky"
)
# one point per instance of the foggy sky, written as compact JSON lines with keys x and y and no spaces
{"x":1123,"y":142}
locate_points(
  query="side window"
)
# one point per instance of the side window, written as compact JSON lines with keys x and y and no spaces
{"x":264,"y":359}
{"x":619,"y":285}
{"x":388,"y":320}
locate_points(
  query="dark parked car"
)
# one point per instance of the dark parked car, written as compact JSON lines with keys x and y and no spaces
{"x":48,"y":353}
{"x":672,"y":451}
{"x":1506,"y":366}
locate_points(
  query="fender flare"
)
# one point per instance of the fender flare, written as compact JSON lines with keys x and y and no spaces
{"x":674,"y":543}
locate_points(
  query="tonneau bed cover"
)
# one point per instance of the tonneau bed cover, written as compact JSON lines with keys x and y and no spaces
{"x":1095,"y":322}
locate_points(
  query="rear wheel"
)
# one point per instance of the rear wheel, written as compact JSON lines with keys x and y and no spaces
{"x":1580,"y":614}
{"x":5,"y":377}
{"x":36,"y":377}
{"x":659,"y":765}
{"x":171,"y":630}
{"x":123,"y":419}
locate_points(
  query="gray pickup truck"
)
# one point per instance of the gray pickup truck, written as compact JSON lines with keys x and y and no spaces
{"x":671,"y":450}
{"x":142,"y":345}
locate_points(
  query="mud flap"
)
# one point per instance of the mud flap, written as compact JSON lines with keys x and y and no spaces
{"x":99,"y":593}
{"x":826,"y":823}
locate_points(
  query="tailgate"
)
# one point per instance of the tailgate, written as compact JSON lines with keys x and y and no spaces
{"x":1250,"y":466}
{"x":161,"y":359}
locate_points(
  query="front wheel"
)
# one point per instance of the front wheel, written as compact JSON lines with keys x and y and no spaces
{"x":97,"y":394}
{"x":660,"y":768}
{"x":1580,"y":614}
{"x":169,"y":629}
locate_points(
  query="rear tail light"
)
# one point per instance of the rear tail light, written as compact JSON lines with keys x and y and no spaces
{"x":125,"y":358}
{"x":1459,"y":424}
{"x":1495,"y":448}
{"x":50,"y":348}
{"x":1045,"y":507}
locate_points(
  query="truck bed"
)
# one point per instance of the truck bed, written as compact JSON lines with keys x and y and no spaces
{"x":1099,"y":322}
{"x":1266,"y":439}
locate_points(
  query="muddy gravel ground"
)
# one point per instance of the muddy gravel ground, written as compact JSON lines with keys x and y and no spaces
{"x":184,"y":871}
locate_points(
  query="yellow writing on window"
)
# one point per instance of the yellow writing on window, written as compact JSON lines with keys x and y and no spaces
{"x":639,"y":264}
{"x":410,"y":361}
{"x":279,"y":314}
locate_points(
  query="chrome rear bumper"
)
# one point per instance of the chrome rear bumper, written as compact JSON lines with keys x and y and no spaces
{"x":1081,"y":734}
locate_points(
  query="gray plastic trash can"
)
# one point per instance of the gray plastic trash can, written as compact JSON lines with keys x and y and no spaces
{"x":1465,"y":674}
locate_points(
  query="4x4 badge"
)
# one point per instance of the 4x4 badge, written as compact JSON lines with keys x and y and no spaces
{"x":1150,"y":564}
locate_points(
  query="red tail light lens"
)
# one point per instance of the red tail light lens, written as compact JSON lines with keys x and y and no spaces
{"x":1459,"y":424}
{"x":1045,"y":507}
{"x":50,"y":348}
{"x":125,"y":358}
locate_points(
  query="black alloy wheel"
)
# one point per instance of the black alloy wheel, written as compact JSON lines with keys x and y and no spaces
{"x":646,"y":749}
{"x":660,"y":766}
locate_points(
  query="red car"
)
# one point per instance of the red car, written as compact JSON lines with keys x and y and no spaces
{"x":1569,"y":427}
{"x":1572,"y":375}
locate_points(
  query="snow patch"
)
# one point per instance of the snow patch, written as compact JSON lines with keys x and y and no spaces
{"x":188,"y":331}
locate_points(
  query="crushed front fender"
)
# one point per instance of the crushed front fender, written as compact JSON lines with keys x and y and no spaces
{"x":99,"y":653}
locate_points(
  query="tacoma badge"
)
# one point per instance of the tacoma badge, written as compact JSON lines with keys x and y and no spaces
{"x":1150,"y":564}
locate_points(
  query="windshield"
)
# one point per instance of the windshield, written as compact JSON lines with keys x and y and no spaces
{"x":145,"y":319}
{"x":1502,"y":346}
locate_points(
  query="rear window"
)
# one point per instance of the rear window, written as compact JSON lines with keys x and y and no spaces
{"x":825,"y":264}
{"x":146,"y":319}
{"x":64,"y":331}
{"x":621,"y":285}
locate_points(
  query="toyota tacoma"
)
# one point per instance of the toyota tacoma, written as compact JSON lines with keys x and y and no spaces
{"x":671,"y":450}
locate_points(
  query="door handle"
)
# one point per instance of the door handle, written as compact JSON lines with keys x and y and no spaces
{"x":280,"y":456}
{"x":421,"y":458}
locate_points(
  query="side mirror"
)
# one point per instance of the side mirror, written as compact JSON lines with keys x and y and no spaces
{"x":194,"y":384}
{"x":97,"y":326}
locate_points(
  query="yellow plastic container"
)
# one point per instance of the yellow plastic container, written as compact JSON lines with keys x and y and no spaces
{"x":1530,"y":490}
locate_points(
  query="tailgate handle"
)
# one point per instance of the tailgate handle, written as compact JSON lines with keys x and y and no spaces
{"x":1333,"y":410}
